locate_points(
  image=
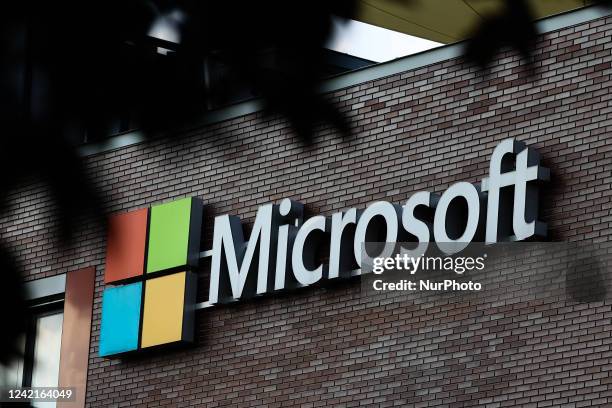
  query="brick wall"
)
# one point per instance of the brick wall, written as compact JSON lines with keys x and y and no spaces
{"x":332,"y":346}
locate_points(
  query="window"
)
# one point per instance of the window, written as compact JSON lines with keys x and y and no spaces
{"x":39,"y":366}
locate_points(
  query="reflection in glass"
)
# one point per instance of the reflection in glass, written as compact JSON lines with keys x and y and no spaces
{"x":45,"y":372}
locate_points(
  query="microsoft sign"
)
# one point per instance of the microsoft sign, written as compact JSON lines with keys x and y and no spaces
{"x":282,"y":251}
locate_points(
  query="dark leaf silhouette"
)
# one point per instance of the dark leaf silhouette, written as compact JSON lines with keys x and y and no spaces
{"x":514,"y":27}
{"x":68,"y":67}
{"x":16,"y":313}
{"x":73,"y":65}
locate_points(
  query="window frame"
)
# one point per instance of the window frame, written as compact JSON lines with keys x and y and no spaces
{"x":39,"y":308}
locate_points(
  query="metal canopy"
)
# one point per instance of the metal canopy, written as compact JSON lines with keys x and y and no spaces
{"x":446,"y":21}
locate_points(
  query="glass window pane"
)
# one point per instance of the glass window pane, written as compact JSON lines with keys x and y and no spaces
{"x":47,"y":345}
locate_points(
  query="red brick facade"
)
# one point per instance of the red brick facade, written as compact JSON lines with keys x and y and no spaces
{"x":329,"y":346}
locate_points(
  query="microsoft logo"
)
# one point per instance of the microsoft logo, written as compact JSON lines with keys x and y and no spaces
{"x":150,"y":252}
{"x":151,"y":294}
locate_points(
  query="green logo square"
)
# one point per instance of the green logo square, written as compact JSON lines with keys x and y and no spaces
{"x":174,"y":235}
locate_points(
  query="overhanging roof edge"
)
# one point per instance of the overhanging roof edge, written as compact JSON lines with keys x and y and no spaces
{"x":353,"y":78}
